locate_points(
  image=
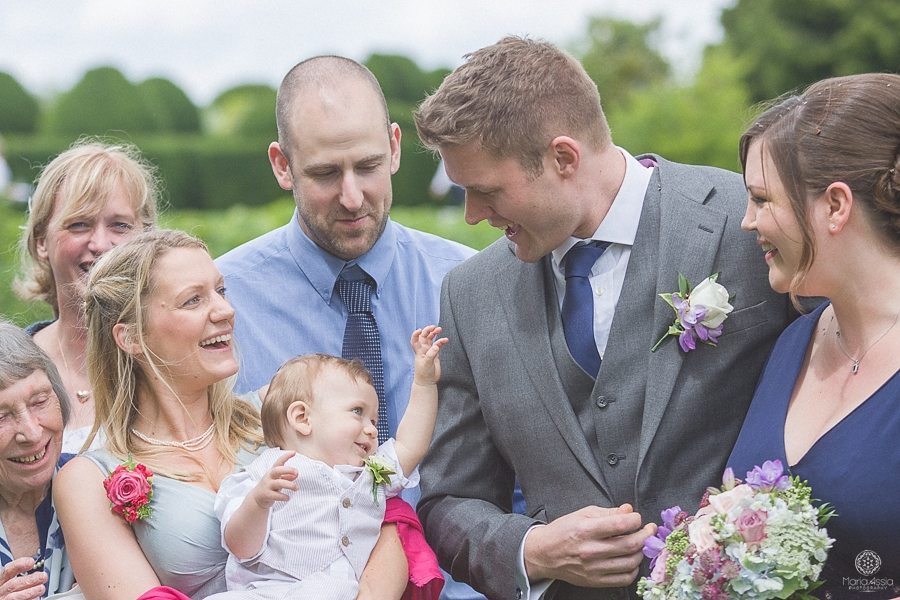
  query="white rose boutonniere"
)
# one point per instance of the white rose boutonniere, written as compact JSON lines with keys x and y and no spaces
{"x":381,"y":472}
{"x":700,"y":313}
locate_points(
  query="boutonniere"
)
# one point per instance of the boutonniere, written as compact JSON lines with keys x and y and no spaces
{"x":381,"y":472}
{"x":699,"y":313}
{"x":129,"y":489}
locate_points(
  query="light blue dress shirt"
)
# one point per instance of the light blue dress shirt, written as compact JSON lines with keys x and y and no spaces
{"x":282,"y":288}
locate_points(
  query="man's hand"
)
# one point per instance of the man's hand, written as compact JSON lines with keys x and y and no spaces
{"x":591,"y":547}
{"x":269,"y":489}
{"x":26,"y":587}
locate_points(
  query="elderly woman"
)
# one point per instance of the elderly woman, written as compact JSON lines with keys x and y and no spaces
{"x":161,"y":360}
{"x":34,"y":408}
{"x":88,"y":199}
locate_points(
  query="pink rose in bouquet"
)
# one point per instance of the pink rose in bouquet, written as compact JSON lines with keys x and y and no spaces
{"x":752,"y":526}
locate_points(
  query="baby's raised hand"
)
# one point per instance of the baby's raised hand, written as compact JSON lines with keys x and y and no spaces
{"x":269,"y":489}
{"x":427,"y":349}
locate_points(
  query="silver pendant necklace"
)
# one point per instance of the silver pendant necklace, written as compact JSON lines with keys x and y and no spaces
{"x":854,"y":368}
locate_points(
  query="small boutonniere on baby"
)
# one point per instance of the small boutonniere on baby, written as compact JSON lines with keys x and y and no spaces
{"x":129,"y":489}
{"x":699,"y":313}
{"x":381,"y":472}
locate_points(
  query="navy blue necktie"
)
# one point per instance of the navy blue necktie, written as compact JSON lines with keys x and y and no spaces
{"x":578,"y":305}
{"x":361,"y":338}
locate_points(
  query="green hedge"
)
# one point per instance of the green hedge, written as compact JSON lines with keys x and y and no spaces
{"x":223,"y":230}
{"x":204,"y":172}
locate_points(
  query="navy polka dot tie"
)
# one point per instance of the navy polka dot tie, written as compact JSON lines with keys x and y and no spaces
{"x":578,"y":305}
{"x":361,"y":338}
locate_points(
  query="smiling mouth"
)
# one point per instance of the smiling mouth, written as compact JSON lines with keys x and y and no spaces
{"x":353,"y":218}
{"x":508,"y":229}
{"x":769,"y":250}
{"x":219,"y":342}
{"x":27,"y":460}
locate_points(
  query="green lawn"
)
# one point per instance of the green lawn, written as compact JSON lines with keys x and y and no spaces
{"x":222,"y":231}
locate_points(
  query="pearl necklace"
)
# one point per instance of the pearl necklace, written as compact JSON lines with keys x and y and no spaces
{"x":192,"y":445}
{"x":854,"y":368}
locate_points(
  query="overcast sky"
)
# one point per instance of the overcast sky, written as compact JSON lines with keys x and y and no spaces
{"x":207,"y":46}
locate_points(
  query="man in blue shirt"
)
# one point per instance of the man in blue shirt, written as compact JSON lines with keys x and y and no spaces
{"x":336,"y":152}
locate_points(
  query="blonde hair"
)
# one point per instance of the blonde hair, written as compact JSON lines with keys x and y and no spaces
{"x":513,"y":98}
{"x":294,"y":381}
{"x":75,"y":184}
{"x":118,"y":291}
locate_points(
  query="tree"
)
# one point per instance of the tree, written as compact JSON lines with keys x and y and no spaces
{"x":401,"y":79}
{"x":697,"y":123}
{"x":169,"y":106}
{"x":245,"y":110}
{"x":788,"y":44}
{"x":104,"y":101}
{"x":621,"y":57}
{"x":19,"y":112}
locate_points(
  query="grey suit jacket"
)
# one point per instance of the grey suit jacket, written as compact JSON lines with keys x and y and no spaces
{"x":504,"y":412}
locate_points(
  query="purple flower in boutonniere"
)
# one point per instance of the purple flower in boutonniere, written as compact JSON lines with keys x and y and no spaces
{"x":700,"y":313}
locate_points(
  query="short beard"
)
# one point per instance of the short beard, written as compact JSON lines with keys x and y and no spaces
{"x":335,"y":246}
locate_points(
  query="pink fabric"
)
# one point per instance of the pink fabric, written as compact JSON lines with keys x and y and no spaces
{"x":163,"y":592}
{"x":425,"y":579}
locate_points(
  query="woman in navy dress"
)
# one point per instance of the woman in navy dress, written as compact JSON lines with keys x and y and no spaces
{"x":823,"y":174}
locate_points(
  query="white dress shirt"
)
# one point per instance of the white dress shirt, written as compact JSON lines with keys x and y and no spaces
{"x":619,"y":227}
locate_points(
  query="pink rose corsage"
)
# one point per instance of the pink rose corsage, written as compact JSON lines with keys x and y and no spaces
{"x":129,"y":489}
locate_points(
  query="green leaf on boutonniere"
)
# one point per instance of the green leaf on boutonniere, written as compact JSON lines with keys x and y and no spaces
{"x":668,"y":298}
{"x":684,"y":286}
{"x":381,"y":473}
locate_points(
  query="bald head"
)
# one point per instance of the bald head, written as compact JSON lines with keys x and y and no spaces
{"x":314,"y":76}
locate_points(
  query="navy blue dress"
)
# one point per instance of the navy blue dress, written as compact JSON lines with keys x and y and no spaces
{"x":855,"y":466}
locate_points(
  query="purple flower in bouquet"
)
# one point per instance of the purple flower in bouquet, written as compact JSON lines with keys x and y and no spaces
{"x":728,"y":479}
{"x":653,"y":545}
{"x":770,"y":476}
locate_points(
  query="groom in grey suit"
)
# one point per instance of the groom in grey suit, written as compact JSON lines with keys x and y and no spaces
{"x":520,"y":127}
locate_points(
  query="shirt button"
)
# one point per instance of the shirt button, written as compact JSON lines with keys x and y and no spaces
{"x":345,"y":541}
{"x":612,"y":459}
{"x":599,"y":291}
{"x":346,"y":503}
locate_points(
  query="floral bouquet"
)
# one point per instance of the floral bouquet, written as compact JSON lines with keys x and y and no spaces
{"x":761,"y":538}
{"x":129,"y":489}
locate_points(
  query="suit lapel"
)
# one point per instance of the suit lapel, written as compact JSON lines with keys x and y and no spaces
{"x":531,"y":341}
{"x":677,"y":233}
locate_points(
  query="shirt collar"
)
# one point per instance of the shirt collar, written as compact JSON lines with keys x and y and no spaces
{"x":620,"y":224}
{"x":322,"y":268}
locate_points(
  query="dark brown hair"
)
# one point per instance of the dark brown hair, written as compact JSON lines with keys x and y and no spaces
{"x":840,"y":129}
